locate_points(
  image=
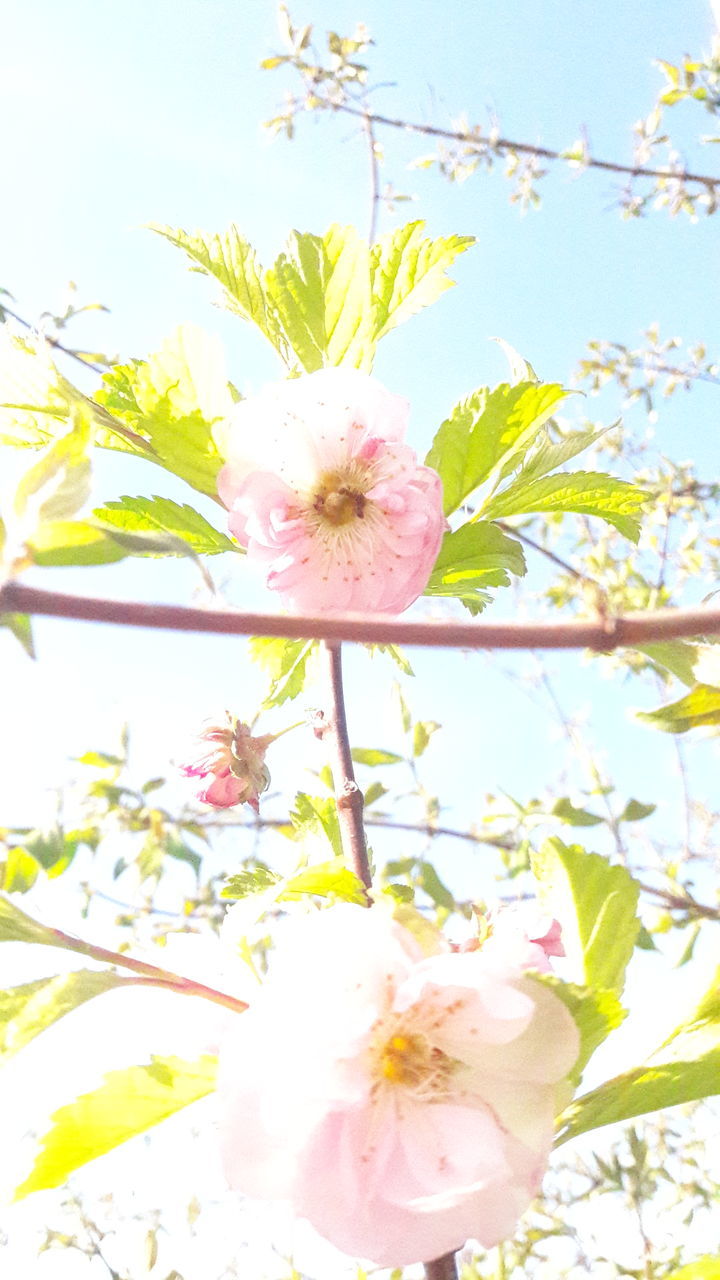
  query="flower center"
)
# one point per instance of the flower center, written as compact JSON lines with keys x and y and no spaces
{"x":413,"y":1062}
{"x":337,"y":502}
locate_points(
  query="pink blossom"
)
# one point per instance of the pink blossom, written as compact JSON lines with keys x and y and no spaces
{"x":322,"y":491}
{"x":228,"y":754}
{"x":520,"y":934}
{"x":401,"y":1101}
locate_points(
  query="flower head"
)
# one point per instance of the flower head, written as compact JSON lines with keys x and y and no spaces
{"x":228,"y":754}
{"x":521,"y":935}
{"x":401,"y":1101}
{"x":323,"y":492}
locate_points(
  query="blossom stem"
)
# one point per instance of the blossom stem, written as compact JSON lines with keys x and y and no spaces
{"x":151,"y":974}
{"x":332,"y":726}
{"x":444,"y":1268}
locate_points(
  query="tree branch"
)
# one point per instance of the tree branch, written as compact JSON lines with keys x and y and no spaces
{"x":443,"y":1268}
{"x":602,"y":634}
{"x":331,"y":726}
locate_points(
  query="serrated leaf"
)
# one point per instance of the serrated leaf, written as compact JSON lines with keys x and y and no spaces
{"x":596,"y":1014}
{"x":396,"y":653}
{"x":590,"y":493}
{"x":520,"y":369}
{"x":27,"y":1010}
{"x":331,"y":879}
{"x":172,"y":401}
{"x":483,"y":432}
{"x":374,"y":756}
{"x":698,"y":709}
{"x":127,"y":1103}
{"x":287,"y":663}
{"x":34,"y":398}
{"x":21,"y":627}
{"x":408,"y":272}
{"x":156,"y":514}
{"x":551,"y":454}
{"x":250,"y":880}
{"x":471,"y":559}
{"x":596,"y":905}
{"x":684,"y":1068}
{"x":232,"y":262}
{"x":320,"y":289}
{"x":317,"y":816}
{"x":566,"y":811}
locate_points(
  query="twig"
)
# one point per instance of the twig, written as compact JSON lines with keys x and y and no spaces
{"x":53,"y":342}
{"x":600,"y":634}
{"x":374,"y":178}
{"x":331,"y":726}
{"x":501,"y":145}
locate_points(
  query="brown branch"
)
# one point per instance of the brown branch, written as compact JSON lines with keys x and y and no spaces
{"x":502,"y":145}
{"x":443,"y":1268}
{"x":331,"y":726}
{"x":374,"y":179}
{"x":602,"y":634}
{"x":53,"y":342}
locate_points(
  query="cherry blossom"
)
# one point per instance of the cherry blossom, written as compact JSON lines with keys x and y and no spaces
{"x":233,"y":759}
{"x":324,"y":494}
{"x":401,"y":1101}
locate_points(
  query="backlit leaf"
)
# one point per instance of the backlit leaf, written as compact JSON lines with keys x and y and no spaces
{"x":588,"y":493}
{"x":471,"y":559}
{"x":409,"y":272}
{"x":698,"y":709}
{"x":138,"y":515}
{"x":286,"y":662}
{"x":27,"y":1010}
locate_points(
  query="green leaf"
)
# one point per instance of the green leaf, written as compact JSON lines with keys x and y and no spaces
{"x":520,"y":369}
{"x":471,"y":559}
{"x":590,"y":493}
{"x":58,"y":484}
{"x":432,"y":885}
{"x":286,"y":662}
{"x":320,"y":289}
{"x":34,"y":398}
{"x":699,"y":708}
{"x":331,"y":879}
{"x":232,"y":262}
{"x":686,"y":1067}
{"x":394,"y":652}
{"x":127,"y":1103}
{"x":484,"y":431}
{"x":100,"y":760}
{"x":634,"y":811}
{"x":73,"y":542}
{"x":706,"y":1268}
{"x":676,"y":656}
{"x":423,"y":731}
{"x":317,"y":816}
{"x":595,"y":1012}
{"x":566,"y":812}
{"x":551,"y":454}
{"x":21,"y":627}
{"x":172,"y":401}
{"x":408,"y":272}
{"x":374,"y":755}
{"x":596,"y":905}
{"x":16,"y":926}
{"x":250,"y":880}
{"x":19,"y":871}
{"x":27,"y":1010}
{"x":144,"y":515}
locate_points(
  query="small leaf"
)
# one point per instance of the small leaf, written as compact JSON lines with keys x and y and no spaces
{"x":432,"y":885}
{"x":374,"y":756}
{"x":676,"y":656}
{"x":21,"y":627}
{"x":143,"y":515}
{"x":423,"y":731}
{"x":471,"y":559}
{"x":27,"y":1010}
{"x":317,"y":816}
{"x":73,"y":542}
{"x":58,"y":484}
{"x":286,"y":662}
{"x":634,"y":811}
{"x":251,"y":880}
{"x":567,"y":812}
{"x":590,"y":493}
{"x":698,"y":709}
{"x":596,"y":905}
{"x":127,"y":1103}
{"x":326,"y":880}
{"x":409,"y":273}
{"x":484,"y":431}
{"x":706,"y":1268}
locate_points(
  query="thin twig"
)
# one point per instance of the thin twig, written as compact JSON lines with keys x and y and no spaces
{"x":331,"y":726}
{"x":374,"y":178}
{"x":602,"y":634}
{"x":502,"y":145}
{"x":53,"y":342}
